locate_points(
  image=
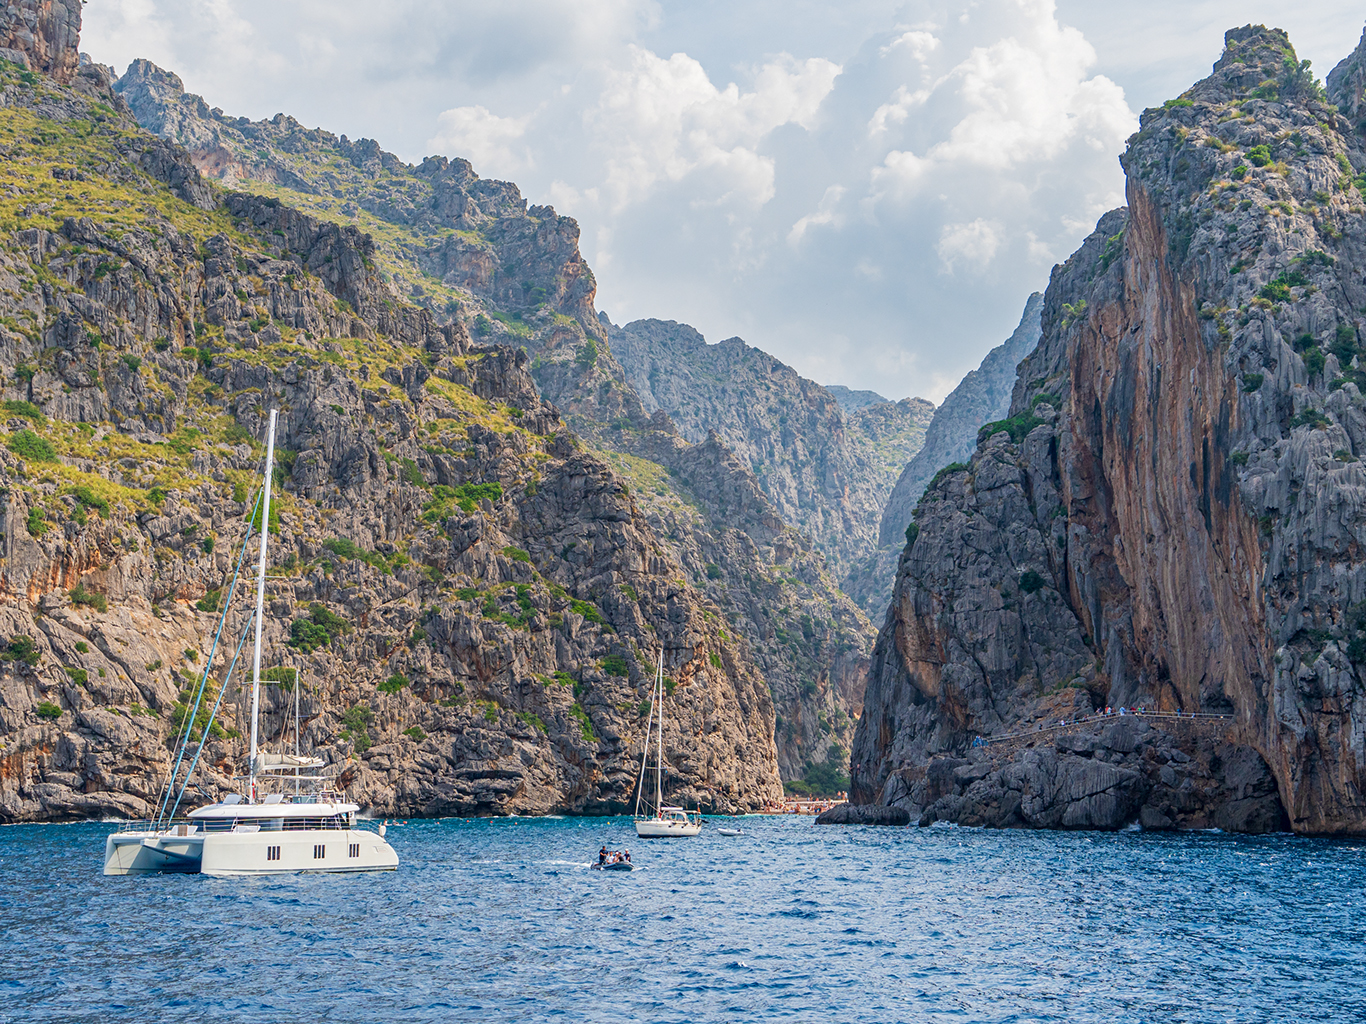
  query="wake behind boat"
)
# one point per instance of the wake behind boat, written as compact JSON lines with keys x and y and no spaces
{"x":252,"y":833}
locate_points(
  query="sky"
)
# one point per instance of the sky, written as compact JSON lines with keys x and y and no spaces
{"x":867,"y":190}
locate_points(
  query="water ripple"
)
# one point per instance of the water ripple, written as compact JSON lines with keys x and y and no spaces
{"x":502,"y":920}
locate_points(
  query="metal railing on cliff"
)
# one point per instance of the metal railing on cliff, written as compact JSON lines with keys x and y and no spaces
{"x":1010,"y":742}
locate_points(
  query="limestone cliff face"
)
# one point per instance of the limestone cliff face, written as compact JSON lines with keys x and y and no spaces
{"x":472,"y":595}
{"x":514,"y":276}
{"x":854,"y":401}
{"x":980,"y":397}
{"x":828,"y":471}
{"x":42,"y":36}
{"x":1171,"y":517}
{"x":452,"y":241}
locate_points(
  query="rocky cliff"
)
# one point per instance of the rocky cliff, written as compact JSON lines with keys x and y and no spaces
{"x":472,"y":253}
{"x":827,"y":470}
{"x":1171,"y":515}
{"x":852,"y":401}
{"x":472,"y":596}
{"x":980,"y":397}
{"x":983,"y":395}
{"x":42,"y":36}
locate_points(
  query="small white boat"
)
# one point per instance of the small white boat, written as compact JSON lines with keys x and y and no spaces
{"x":729,"y":832}
{"x":310,"y":829}
{"x":664,"y":822}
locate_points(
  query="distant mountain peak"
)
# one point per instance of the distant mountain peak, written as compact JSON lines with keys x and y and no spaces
{"x":853,"y":401}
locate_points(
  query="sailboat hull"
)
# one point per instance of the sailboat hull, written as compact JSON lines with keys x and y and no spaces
{"x":663,"y":828}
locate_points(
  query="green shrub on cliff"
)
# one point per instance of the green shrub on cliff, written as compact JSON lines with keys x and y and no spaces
{"x":48,"y":711}
{"x":1344,"y":344}
{"x":21,"y":648}
{"x":90,"y":599}
{"x":1018,"y":427}
{"x":27,"y":410}
{"x":318,"y":630}
{"x":343,"y":548}
{"x":1259,"y":156}
{"x":1314,"y":361}
{"x":356,"y":722}
{"x":28,"y":445}
{"x":393,"y":684}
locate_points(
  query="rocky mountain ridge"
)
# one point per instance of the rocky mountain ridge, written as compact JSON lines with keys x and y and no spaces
{"x":471,"y":595}
{"x":1169,"y":517}
{"x":980,"y":397}
{"x":827,"y":470}
{"x":813,"y":643}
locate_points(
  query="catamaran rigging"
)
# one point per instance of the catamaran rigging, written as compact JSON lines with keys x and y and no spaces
{"x":250,"y":833}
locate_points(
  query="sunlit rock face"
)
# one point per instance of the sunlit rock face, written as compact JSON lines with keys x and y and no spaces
{"x":1172,"y":516}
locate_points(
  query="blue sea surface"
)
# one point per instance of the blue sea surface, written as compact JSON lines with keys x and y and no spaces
{"x":502,"y":920}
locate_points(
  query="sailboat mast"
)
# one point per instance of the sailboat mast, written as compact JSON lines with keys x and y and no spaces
{"x":260,"y":609}
{"x":659,"y":761}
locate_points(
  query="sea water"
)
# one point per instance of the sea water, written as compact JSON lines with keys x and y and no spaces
{"x":502,"y":920}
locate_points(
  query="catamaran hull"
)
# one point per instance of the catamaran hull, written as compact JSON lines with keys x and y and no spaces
{"x":667,"y":829}
{"x":332,"y":851}
{"x":146,"y":853}
{"x":248,"y":853}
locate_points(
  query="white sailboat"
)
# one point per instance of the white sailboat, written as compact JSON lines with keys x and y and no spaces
{"x":254,"y":833}
{"x":662,"y":822}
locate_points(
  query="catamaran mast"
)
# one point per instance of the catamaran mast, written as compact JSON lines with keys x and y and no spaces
{"x":260,"y":609}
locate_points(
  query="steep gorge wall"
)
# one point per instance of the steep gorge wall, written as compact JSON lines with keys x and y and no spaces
{"x":1172,"y":517}
{"x":485,"y":651}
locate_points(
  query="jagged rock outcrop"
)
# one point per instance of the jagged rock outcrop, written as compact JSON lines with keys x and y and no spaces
{"x":983,"y":395}
{"x":864,"y":814}
{"x":42,"y":36}
{"x":464,"y":241}
{"x":1172,"y":515}
{"x":1346,"y":85}
{"x":472,"y":596}
{"x":980,"y":397}
{"x":813,"y":659}
{"x":853,"y":401}
{"x":826,"y":470}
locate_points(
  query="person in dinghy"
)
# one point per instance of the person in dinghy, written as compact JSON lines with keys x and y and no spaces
{"x":613,"y":860}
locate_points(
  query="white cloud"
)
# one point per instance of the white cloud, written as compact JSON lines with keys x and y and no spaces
{"x":974,"y":244}
{"x":484,"y":138}
{"x":788,"y":179}
{"x":660,"y":120}
{"x":826,"y":213}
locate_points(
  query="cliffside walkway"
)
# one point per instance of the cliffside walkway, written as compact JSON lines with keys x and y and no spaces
{"x":1011,"y":742}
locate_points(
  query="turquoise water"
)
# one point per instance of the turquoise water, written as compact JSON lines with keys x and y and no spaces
{"x":501,"y":920}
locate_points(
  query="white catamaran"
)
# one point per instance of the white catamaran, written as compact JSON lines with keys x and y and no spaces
{"x":310,"y":828}
{"x":664,"y":822}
